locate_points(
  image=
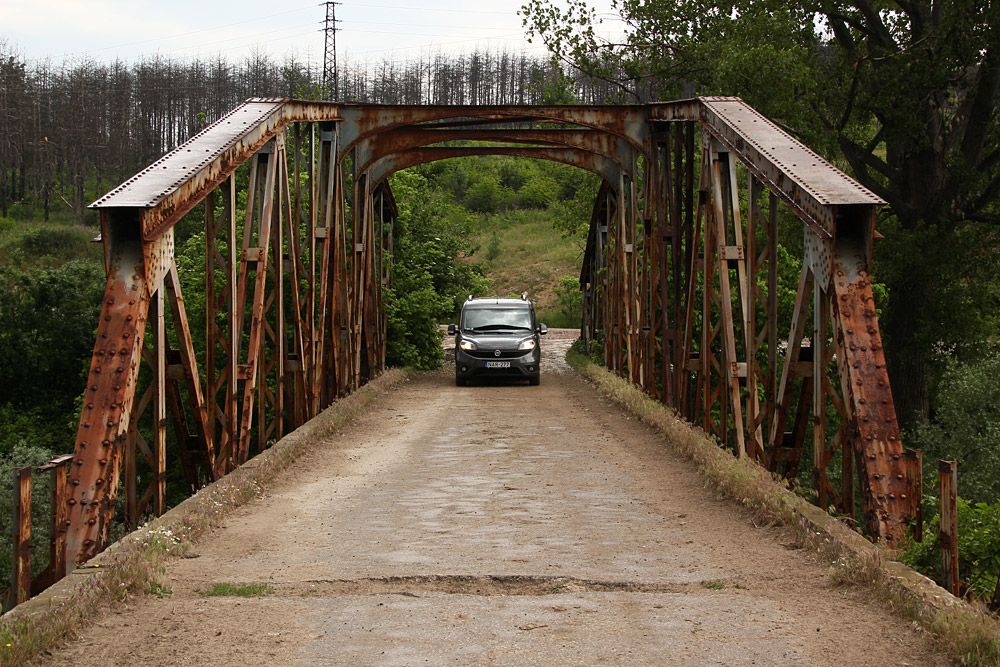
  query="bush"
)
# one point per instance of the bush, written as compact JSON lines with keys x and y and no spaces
{"x":431,"y":274}
{"x":24,"y":454}
{"x":978,"y":547}
{"x":47,"y":323}
{"x":485,"y":195}
{"x":570,"y":301}
{"x":965,"y":427}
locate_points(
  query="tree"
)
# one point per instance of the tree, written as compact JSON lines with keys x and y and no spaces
{"x":905,"y":92}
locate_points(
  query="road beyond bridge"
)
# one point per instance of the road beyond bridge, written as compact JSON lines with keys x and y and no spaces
{"x":498,"y":525}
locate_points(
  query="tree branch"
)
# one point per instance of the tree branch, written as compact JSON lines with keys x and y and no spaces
{"x":982,"y":108}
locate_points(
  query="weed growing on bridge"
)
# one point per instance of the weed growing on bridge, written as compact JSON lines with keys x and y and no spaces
{"x":226,"y":589}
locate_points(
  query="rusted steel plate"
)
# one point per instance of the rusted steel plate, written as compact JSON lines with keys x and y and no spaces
{"x":891,"y":483}
{"x":807,"y":182}
{"x":174,"y":184}
{"x":629,"y":122}
{"x":150,"y":186}
{"x":597,"y":164}
{"x":107,"y":400}
{"x":595,"y":141}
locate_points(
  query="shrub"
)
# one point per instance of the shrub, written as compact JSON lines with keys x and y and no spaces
{"x":978,"y":547}
{"x":965,"y":427}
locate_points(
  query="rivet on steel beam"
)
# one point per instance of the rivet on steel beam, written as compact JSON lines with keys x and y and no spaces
{"x":71,"y":501}
{"x":99,"y":481}
{"x":78,"y":462}
{"x":75,"y":482}
{"x":106,"y":443}
{"x":91,"y":522}
{"x":86,"y":424}
{"x":103,"y":462}
{"x":88,"y":543}
{"x":899,"y":476}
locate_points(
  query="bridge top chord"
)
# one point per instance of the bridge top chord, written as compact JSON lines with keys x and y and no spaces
{"x":157,"y":181}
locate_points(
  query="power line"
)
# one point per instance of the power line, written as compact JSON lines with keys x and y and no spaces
{"x":331,"y":79}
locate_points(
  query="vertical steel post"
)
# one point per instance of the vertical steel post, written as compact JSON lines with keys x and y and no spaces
{"x":160,"y":402}
{"x":21,"y":584}
{"x":948,"y":488}
{"x":60,"y":514}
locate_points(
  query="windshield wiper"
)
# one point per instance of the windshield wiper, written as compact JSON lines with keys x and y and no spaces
{"x":490,"y":327}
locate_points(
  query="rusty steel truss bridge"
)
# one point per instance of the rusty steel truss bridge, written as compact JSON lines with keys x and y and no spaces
{"x":290,"y":204}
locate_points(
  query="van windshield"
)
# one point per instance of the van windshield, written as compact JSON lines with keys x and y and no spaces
{"x":486,"y":319}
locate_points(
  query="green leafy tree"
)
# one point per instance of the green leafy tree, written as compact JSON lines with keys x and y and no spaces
{"x":905,"y":92}
{"x":965,"y":427}
{"x":432,"y":272}
{"x":47,"y":323}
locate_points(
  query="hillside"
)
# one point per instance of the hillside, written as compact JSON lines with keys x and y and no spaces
{"x":522,"y":251}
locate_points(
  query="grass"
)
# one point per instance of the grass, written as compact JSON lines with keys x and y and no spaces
{"x":531,"y":255}
{"x":968,"y":634}
{"x":713,"y":584}
{"x":135,"y":564}
{"x":225,"y":589}
{"x":34,"y":243}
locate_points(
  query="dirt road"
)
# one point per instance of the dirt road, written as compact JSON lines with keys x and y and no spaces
{"x":508,"y":525}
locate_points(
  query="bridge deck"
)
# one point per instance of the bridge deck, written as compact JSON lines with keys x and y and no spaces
{"x":498,"y":525}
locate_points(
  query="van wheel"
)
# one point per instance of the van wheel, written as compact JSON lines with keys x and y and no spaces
{"x":460,"y":382}
{"x":535,"y":381}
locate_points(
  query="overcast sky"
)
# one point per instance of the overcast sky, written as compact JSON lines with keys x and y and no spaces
{"x":370,"y":30}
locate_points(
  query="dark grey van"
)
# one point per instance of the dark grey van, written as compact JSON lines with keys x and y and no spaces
{"x":497,"y":338}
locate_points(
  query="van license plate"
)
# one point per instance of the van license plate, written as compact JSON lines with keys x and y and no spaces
{"x":497,"y":364}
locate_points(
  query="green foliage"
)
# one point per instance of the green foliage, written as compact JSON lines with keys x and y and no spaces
{"x":432,"y":272}
{"x":47,"y":321}
{"x":20,"y":455}
{"x":570,"y":301}
{"x":226,"y":589}
{"x":965,"y":426}
{"x":485,"y":195}
{"x":903,"y":97}
{"x":978,"y":547}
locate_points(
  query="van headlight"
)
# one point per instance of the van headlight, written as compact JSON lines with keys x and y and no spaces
{"x":528,"y":344}
{"x":467,"y":345}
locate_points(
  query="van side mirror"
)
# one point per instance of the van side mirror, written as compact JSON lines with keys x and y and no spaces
{"x":451,"y":329}
{"x":542,"y":329}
